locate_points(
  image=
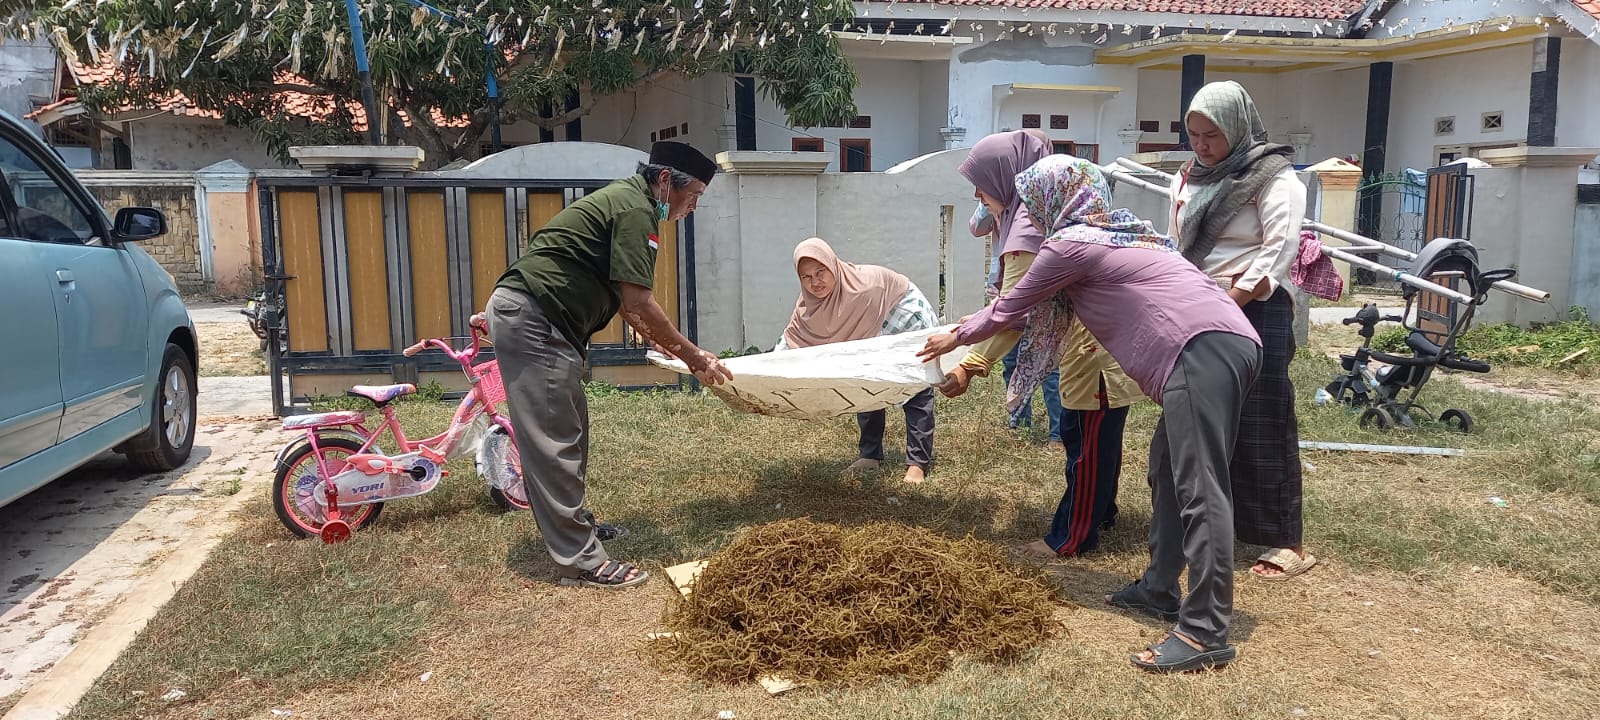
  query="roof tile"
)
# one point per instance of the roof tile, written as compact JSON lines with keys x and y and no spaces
{"x":315,"y":107}
{"x":1313,"y":9}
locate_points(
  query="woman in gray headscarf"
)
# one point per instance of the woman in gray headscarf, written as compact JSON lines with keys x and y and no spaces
{"x":1236,"y":215}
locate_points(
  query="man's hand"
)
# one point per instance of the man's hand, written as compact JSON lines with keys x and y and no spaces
{"x":707,"y":368}
{"x":955,"y":382}
{"x":937,"y":345}
{"x":480,"y":321}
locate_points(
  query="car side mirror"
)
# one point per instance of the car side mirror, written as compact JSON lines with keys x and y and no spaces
{"x":134,"y":224}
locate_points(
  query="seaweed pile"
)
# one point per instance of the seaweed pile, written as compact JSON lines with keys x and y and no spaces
{"x":814,"y":602}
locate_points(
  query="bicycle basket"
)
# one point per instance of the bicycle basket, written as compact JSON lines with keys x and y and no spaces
{"x":489,"y":384}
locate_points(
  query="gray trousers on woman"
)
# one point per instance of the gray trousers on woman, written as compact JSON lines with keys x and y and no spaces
{"x":919,"y":431}
{"x":1192,"y":515}
{"x":543,"y":375}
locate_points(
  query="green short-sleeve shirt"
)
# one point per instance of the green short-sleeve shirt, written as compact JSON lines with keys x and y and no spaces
{"x":575,"y":262}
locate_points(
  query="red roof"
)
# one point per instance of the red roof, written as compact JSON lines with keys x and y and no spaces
{"x":1589,"y":6}
{"x":314,"y":107}
{"x":1314,"y":9}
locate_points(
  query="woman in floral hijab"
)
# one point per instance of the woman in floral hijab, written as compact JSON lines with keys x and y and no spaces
{"x":1190,"y":349}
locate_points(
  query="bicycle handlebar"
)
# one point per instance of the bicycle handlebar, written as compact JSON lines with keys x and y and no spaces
{"x":1386,"y":318}
{"x":461,"y":356}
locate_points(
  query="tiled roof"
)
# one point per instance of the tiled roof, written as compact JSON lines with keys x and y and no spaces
{"x":1589,"y":6}
{"x":1316,"y":9}
{"x":314,"y":107}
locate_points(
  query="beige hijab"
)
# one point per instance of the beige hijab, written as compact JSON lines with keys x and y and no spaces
{"x":861,"y":300}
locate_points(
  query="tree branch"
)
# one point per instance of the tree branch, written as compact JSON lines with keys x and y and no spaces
{"x":587,"y":106}
{"x":292,"y":87}
{"x":470,"y":134}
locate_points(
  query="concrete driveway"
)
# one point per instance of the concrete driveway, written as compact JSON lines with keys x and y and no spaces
{"x":86,"y":560}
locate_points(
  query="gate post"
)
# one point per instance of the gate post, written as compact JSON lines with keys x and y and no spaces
{"x":1339,"y":182}
{"x":1525,"y":216}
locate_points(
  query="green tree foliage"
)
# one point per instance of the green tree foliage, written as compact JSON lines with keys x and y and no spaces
{"x":240,"y":57}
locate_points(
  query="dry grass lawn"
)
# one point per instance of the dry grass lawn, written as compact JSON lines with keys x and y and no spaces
{"x":1429,"y":601}
{"x":229,"y":350}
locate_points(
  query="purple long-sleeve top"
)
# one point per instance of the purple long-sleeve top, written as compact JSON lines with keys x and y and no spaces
{"x":1142,"y":305}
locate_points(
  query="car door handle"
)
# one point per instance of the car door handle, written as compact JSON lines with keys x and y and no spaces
{"x":64,"y":276}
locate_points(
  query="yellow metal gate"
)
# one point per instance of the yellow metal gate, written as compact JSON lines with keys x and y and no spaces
{"x":365,"y":266}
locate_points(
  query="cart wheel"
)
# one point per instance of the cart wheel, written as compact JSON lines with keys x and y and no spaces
{"x":1377,"y":418}
{"x":1347,"y":392}
{"x":1457,"y":420}
{"x":335,"y":532}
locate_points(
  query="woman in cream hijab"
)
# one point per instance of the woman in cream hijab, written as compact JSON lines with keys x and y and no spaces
{"x":841,"y":301}
{"x":1236,"y":215}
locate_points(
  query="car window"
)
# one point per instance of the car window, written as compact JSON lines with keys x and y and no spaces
{"x":42,"y":210}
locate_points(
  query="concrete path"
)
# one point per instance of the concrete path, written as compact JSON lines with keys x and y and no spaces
{"x":216,"y":313}
{"x":91,"y":557}
{"x":235,"y":396}
{"x":87,"y":560}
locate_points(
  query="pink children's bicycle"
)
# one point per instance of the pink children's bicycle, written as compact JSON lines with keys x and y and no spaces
{"x":336,"y":478}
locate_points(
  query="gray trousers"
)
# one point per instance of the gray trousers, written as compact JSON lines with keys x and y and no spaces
{"x":543,"y":375}
{"x":1192,"y":517}
{"x":919,"y":431}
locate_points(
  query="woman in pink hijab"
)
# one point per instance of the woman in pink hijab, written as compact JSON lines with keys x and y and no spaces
{"x":841,"y":301}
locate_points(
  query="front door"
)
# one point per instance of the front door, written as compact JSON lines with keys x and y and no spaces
{"x":100,"y":304}
{"x":30,"y":380}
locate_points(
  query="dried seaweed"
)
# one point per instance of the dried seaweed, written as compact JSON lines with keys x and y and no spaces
{"x":817,"y":603}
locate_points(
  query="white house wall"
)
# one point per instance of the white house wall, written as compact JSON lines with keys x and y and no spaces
{"x":972,"y":97}
{"x":887,"y":90}
{"x":1331,"y":105}
{"x":1578,"y":103}
{"x":935,"y":104}
{"x":1464,"y":86}
{"x":167,"y":142}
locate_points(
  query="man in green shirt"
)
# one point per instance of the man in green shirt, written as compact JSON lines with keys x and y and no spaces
{"x":593,"y":259}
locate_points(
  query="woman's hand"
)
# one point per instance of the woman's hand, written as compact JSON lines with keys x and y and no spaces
{"x":1245,"y":297}
{"x":937,"y":345}
{"x":955,"y":382}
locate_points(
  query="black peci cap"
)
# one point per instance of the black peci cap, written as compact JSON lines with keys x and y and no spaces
{"x":680,"y":156}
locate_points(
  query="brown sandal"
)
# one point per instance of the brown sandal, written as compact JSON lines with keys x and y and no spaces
{"x":611,"y":575}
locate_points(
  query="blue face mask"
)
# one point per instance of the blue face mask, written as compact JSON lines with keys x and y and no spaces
{"x":661,"y":212}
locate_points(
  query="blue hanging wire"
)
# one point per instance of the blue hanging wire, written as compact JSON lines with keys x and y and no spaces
{"x":492,"y":85}
{"x":358,"y":37}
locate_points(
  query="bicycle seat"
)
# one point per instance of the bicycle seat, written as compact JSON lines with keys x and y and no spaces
{"x":381,"y":394}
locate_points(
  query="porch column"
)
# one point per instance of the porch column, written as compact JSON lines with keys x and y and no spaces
{"x":1380,"y":80}
{"x":952,"y":136}
{"x":1542,"y":93}
{"x":1194,"y":77}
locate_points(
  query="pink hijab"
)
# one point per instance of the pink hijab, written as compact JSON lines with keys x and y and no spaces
{"x":992,"y":166}
{"x":861,"y":300}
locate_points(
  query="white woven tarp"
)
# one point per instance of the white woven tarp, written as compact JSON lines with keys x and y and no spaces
{"x":828,"y":381}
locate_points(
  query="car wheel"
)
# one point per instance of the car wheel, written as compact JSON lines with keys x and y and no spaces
{"x":167,"y":442}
